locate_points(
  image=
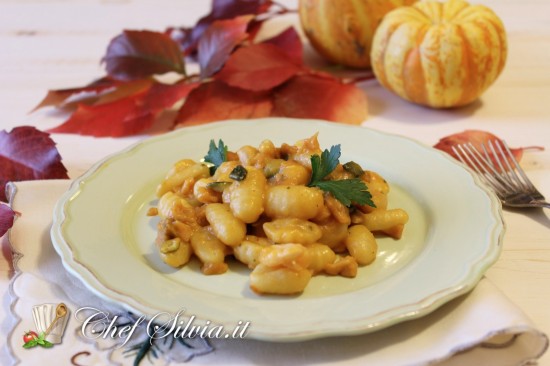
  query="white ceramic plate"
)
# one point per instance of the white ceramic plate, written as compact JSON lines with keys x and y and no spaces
{"x":104,"y":237}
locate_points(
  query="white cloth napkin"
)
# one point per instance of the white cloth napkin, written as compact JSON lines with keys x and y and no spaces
{"x":482,"y":327}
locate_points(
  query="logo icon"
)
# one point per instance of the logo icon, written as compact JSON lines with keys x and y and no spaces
{"x":50,"y":321}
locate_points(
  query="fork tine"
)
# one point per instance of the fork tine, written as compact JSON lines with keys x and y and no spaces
{"x":501,"y":183}
{"x":496,"y":166}
{"x":526,"y":182}
{"x":470,"y":156}
{"x":465,"y":158}
{"x":490,"y":171}
{"x":511,"y":180}
{"x":507,"y":172}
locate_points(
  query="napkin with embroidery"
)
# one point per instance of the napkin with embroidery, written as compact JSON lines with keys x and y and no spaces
{"x":482,"y":327}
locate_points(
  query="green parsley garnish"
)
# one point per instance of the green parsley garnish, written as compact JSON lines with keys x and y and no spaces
{"x":216,"y":155}
{"x":347,"y":191}
{"x":323,"y":165}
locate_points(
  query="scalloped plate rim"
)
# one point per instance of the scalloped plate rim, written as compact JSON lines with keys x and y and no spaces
{"x":407,"y":311}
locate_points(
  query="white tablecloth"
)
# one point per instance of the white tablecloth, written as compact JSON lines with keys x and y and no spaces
{"x":482,"y":327}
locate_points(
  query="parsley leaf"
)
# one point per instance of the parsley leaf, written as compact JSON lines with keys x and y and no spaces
{"x":216,"y":155}
{"x":325,"y":164}
{"x":347,"y":191}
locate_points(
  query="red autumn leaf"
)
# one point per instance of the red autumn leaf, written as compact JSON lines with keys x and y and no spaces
{"x":130,"y":114}
{"x":28,"y":154}
{"x":214,"y":101}
{"x":138,"y":54}
{"x":254,"y":81}
{"x":57,"y":98}
{"x":318,"y":96}
{"x":289,"y":42}
{"x":7,"y":215}
{"x":254,"y":27}
{"x":225,"y":9}
{"x":188,"y":38}
{"x":124,"y":89}
{"x":477,"y":138}
{"x":218,"y":41}
{"x":258,"y":67}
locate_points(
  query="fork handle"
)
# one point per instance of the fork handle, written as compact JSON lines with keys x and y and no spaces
{"x":540,"y":204}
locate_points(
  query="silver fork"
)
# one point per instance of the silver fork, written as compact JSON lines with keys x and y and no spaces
{"x":508,"y":180}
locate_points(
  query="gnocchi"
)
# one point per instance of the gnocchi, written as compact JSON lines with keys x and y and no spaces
{"x":278,"y":210}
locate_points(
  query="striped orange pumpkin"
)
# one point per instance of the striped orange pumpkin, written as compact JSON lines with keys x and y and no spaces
{"x":439,"y":54}
{"x":342,"y":30}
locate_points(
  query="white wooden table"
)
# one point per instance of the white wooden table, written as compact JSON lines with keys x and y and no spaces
{"x":49,"y":44}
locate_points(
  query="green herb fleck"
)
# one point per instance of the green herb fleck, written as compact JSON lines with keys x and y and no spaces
{"x":238,"y":173}
{"x":353,"y":168}
{"x":218,"y":186}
